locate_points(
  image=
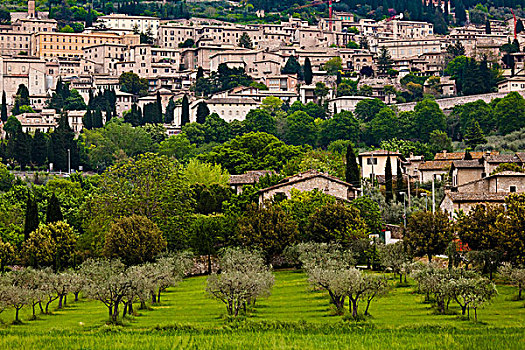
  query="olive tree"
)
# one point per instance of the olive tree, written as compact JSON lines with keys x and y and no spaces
{"x":397,"y":257}
{"x":244,"y":277}
{"x":107,"y":282}
{"x":516,"y":276}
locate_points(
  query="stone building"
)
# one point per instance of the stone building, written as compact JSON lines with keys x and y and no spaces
{"x":434,"y":169}
{"x":309,"y":181}
{"x":465,"y":171}
{"x":26,"y":70}
{"x":128,"y":24}
{"x":373,"y":163}
{"x":237,"y":182}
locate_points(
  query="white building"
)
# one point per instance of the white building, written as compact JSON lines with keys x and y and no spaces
{"x":121,"y":22}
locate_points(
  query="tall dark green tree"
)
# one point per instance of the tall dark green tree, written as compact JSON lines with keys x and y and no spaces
{"x":97,"y":119}
{"x":202,"y":112}
{"x":170,"y":112}
{"x":474,"y":135}
{"x":39,"y":148}
{"x":31,"y":218}
{"x":159,"y":108}
{"x":200,"y":73}
{"x":3,"y":113}
{"x":389,"y":195}
{"x":292,"y":66}
{"x":519,"y":26}
{"x":134,"y":116}
{"x":308,"y":75}
{"x":352,"y":175}
{"x":487,"y":27}
{"x":87,"y":120}
{"x":185,"y":114}
{"x":400,"y":184}
{"x":63,"y":147}
{"x":22,"y":149}
{"x":54,"y":211}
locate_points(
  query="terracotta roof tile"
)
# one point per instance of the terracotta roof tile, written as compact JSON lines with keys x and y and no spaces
{"x":435,"y":165}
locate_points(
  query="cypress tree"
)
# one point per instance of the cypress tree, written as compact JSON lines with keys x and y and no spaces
{"x":22,"y":149}
{"x":400,"y":184}
{"x":388,"y":181}
{"x":108,"y":113}
{"x":200,"y":73}
{"x":170,"y":112}
{"x":62,"y":139}
{"x":87,"y":120}
{"x":352,"y":175}
{"x":159,"y":107}
{"x":39,"y":148}
{"x":53,"y":212}
{"x":97,"y":119}
{"x":487,"y":27}
{"x":202,"y":112}
{"x":134,"y":117}
{"x":31,"y":220}
{"x":467,"y":156}
{"x":185,"y":116}
{"x":3,"y":114}
{"x":308,"y":75}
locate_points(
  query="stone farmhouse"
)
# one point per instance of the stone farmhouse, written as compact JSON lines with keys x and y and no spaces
{"x":309,"y":181}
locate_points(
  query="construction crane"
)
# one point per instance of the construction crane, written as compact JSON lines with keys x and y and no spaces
{"x":317,"y":3}
{"x":515,"y":32}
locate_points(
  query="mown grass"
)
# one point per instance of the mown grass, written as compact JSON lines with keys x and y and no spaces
{"x":293,"y":317}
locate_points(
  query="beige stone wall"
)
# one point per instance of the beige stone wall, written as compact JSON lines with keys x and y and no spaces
{"x":325,"y":185}
{"x":503,"y":183}
{"x":466,"y":175}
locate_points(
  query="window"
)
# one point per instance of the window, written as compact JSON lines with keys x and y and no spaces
{"x":370,"y":160}
{"x":512,"y":189}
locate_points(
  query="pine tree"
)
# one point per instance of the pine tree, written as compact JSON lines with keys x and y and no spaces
{"x":31,"y":221}
{"x":87,"y":120}
{"x":352,"y":175}
{"x":388,"y":181}
{"x":308,"y":75}
{"x":53,"y":212}
{"x":3,"y":114}
{"x":400,"y":184}
{"x":474,"y":135}
{"x":292,"y":66}
{"x":202,"y":112}
{"x":185,"y":115}
{"x":245,"y":41}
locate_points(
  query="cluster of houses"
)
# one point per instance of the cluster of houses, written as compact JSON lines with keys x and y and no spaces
{"x":35,"y":53}
{"x":467,"y":182}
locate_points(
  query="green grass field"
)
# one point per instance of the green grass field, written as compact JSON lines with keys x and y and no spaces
{"x":293,"y":317}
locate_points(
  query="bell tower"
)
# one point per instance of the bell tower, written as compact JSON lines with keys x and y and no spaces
{"x":31,"y":13}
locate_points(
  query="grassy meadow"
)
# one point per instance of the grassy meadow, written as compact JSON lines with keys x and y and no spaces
{"x":293,"y":317}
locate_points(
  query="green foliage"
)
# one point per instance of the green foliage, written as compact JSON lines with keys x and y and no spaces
{"x":260,"y":120}
{"x":510,"y":113}
{"x":53,"y":212}
{"x":507,"y":167}
{"x":366,"y":110}
{"x":336,"y":223}
{"x":292,"y":66}
{"x":428,"y":117}
{"x":428,"y":234}
{"x":389,"y":193}
{"x":352,"y":173}
{"x":177,"y":146}
{"x":342,"y":126}
{"x":308,"y":75}
{"x":245,"y":41}
{"x":197,"y":172}
{"x":333,"y":65}
{"x":301,"y":129}
{"x":133,"y":84}
{"x":474,"y":135}
{"x":134,"y":240}
{"x":508,"y":229}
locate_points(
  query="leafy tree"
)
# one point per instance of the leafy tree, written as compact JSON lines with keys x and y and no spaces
{"x":333,"y":65}
{"x":428,"y":234}
{"x":149,"y":185}
{"x":301,"y":129}
{"x":7,"y":179}
{"x":370,"y":213}
{"x":428,"y":117}
{"x":267,"y":228}
{"x":133,"y":84}
{"x":336,"y":223}
{"x":507,"y":167}
{"x":383,"y":126}
{"x":439,"y":141}
{"x":74,"y":102}
{"x":308,"y":75}
{"x":455,"y":50}
{"x":53,"y":212}
{"x":352,"y":174}
{"x":177,"y":146}
{"x":260,"y":120}
{"x":510,"y":113}
{"x":50,"y":244}
{"x":5,"y":16}
{"x":245,"y":41}
{"x":21,"y":99}
{"x":185,"y":116}
{"x":367,"y":109}
{"x":389,"y":195}
{"x":508,"y":228}
{"x":397,"y":257}
{"x":169,"y":116}
{"x":197,"y":172}
{"x":205,"y":235}
{"x":202,"y":112}
{"x":515,"y":275}
{"x":134,"y":240}
{"x":31,"y":218}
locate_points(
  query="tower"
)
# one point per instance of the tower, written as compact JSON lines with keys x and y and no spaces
{"x":31,"y":13}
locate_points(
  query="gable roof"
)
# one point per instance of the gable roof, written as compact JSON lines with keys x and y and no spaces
{"x":460,"y":155}
{"x":305,"y":176}
{"x":476,"y":196}
{"x":250,"y":177}
{"x":475,"y":163}
{"x":435,"y":165}
{"x":504,"y":158}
